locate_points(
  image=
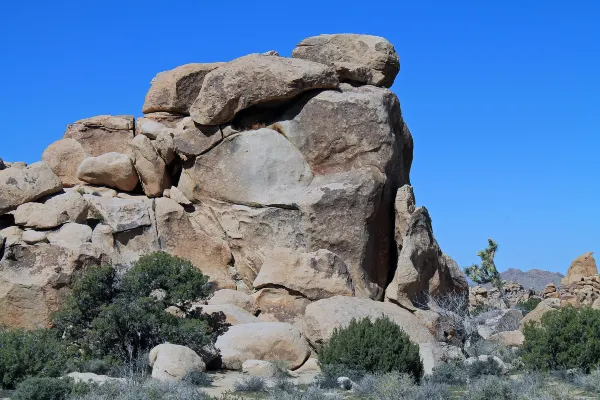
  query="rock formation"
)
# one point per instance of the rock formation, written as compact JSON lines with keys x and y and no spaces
{"x":277,"y":177}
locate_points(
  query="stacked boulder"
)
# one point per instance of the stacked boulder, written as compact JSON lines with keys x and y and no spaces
{"x":277,"y":177}
{"x":514,"y":293}
{"x":581,"y":286}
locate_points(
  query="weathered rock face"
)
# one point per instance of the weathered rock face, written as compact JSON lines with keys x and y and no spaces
{"x":358,"y":58}
{"x":233,"y":314}
{"x":150,"y":166}
{"x":536,"y":314}
{"x":114,"y":170}
{"x":21,"y":185}
{"x":64,"y":157}
{"x":34,"y":281}
{"x":55,"y":211}
{"x":235,"y":297}
{"x":257,"y":167}
{"x":256,"y":79}
{"x":420,"y":259}
{"x":316,"y":275}
{"x":582,"y":266}
{"x":267,"y":341}
{"x":175,"y":90}
{"x":102,"y":134}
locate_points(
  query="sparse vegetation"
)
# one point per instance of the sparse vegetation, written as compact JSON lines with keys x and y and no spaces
{"x":528,"y":305}
{"x":379,"y":346}
{"x":252,"y":384}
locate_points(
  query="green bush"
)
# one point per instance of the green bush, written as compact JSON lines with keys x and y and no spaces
{"x":449,"y":374}
{"x":30,"y":353}
{"x":50,"y":389}
{"x":564,"y":339}
{"x":116,"y":319}
{"x":481,"y":368}
{"x":178,"y":277}
{"x":528,"y":305}
{"x":380,"y":346}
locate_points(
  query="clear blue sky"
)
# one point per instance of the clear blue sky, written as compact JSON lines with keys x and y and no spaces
{"x":502,"y":98}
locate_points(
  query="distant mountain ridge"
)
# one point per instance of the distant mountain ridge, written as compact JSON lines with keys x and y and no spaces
{"x":534,"y":278}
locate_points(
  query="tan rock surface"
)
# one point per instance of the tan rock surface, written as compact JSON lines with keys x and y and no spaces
{"x":175,"y":90}
{"x":359,"y":58}
{"x":235,"y":297}
{"x":102,"y":134}
{"x":21,"y":185}
{"x":582,"y":266}
{"x":256,"y":79}
{"x":64,"y":157}
{"x":267,"y":341}
{"x":114,"y":170}
{"x":316,"y":275}
{"x":171,"y":362}
{"x":150,"y":167}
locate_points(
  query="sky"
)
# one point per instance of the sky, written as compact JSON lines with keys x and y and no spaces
{"x":502,"y":97}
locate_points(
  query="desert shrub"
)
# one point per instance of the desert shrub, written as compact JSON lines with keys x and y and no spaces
{"x":327,"y":378}
{"x":588,"y":382}
{"x":564,"y":339}
{"x":449,"y":374}
{"x":491,"y":387}
{"x":528,"y":305}
{"x":50,"y":389}
{"x":487,"y":367}
{"x":25,"y":354}
{"x":379,"y":346}
{"x":396,"y":386}
{"x":251,"y":384}
{"x":198,"y":378}
{"x":159,"y":270}
{"x":148,"y":390}
{"x":311,"y":393}
{"x":115,"y":319}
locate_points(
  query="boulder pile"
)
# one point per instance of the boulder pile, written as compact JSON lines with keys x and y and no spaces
{"x":285,"y":180}
{"x":514,"y":292}
{"x":581,"y":286}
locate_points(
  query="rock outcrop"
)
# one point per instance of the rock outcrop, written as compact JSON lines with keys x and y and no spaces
{"x":366,"y":59}
{"x":276,"y":177}
{"x":582,"y":266}
{"x":420,"y":259}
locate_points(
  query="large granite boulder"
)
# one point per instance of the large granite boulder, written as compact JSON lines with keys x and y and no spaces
{"x":256,"y":79}
{"x":350,"y":128}
{"x":358,"y":58}
{"x":150,"y":167}
{"x":192,"y":139}
{"x":172,"y":362}
{"x":316,"y":275}
{"x":233,"y":314}
{"x":113,"y":170}
{"x":64,"y":157}
{"x":53,"y":212}
{"x":102,"y":134}
{"x":120,"y":214}
{"x":34,"y":281}
{"x":267,"y":341}
{"x":21,"y":185}
{"x":175,"y":90}
{"x":581,"y":267}
{"x":235,"y":297}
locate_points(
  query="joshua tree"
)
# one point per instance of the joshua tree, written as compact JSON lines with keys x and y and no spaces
{"x":487,"y":272}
